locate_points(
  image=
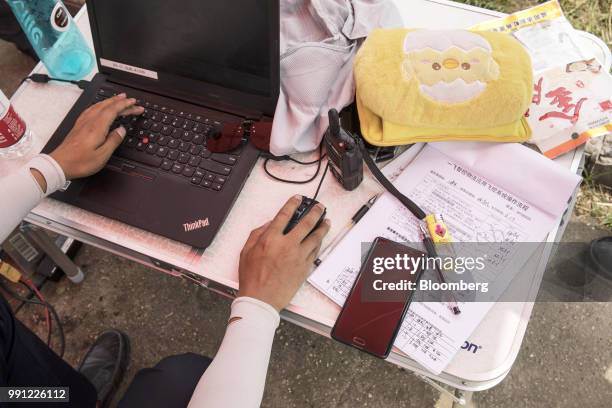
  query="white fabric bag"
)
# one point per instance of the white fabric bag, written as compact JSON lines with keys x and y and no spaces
{"x":319,"y":39}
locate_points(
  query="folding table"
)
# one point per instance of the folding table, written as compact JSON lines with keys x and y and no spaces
{"x":490,"y":351}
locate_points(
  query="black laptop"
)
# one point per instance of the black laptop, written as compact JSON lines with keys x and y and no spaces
{"x":194,"y":65}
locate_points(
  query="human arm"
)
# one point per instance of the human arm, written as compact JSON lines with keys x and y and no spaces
{"x":272,"y":268}
{"x":84,"y":151}
{"x":23,"y":190}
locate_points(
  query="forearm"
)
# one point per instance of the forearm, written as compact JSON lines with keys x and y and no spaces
{"x":237,"y":375}
{"x":21,"y":192}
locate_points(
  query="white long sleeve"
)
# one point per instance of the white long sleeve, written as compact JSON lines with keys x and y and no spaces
{"x":237,"y":375}
{"x":20,"y":192}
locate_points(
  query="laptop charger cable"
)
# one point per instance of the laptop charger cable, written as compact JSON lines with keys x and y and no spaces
{"x":318,"y":162}
{"x":44,"y":78}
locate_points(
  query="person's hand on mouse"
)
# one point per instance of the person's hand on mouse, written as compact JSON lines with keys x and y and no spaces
{"x":273,"y":266}
{"x":91,"y":142}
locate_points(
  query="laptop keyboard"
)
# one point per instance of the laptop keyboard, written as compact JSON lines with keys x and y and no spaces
{"x":173,"y":141}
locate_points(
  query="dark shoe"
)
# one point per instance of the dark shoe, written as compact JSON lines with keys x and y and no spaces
{"x":601,"y":256}
{"x":105,"y":363}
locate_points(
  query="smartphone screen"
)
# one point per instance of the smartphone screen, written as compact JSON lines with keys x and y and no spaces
{"x":375,"y":307}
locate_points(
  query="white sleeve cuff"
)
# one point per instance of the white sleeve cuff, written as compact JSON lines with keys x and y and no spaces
{"x":255,"y":312}
{"x":25,"y":192}
{"x":237,"y":376}
{"x":51,"y":171}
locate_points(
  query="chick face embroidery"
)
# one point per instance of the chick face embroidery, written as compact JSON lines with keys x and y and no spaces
{"x":450,"y":66}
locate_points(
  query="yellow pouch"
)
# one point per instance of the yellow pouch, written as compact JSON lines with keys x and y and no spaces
{"x":437,"y":85}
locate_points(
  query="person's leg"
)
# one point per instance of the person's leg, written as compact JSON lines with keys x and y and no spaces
{"x":28,"y":362}
{"x":169,"y":384}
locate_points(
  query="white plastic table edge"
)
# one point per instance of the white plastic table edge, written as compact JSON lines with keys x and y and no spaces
{"x":298,"y":316}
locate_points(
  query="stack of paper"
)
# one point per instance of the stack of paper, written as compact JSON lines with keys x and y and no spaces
{"x":488,"y":193}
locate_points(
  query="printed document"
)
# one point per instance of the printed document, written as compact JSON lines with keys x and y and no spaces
{"x":487,"y":194}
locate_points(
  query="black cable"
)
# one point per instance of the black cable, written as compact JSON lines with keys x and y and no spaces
{"x":34,"y":290}
{"x":317,"y":161}
{"x":306,"y":163}
{"x":407,"y":202}
{"x":44,"y":78}
{"x":321,"y":182}
{"x":60,"y":327}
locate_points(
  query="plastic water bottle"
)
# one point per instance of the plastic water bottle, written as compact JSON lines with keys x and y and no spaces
{"x":55,"y":37}
{"x":15,"y":137}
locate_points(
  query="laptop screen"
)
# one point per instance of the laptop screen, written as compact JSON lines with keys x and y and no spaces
{"x":226,"y":43}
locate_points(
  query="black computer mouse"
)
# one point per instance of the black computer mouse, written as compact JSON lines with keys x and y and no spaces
{"x":301,"y":211}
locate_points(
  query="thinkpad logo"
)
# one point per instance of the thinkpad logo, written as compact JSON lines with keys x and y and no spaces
{"x":196,"y":225}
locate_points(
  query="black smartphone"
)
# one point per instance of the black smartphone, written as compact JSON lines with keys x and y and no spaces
{"x":378,"y":301}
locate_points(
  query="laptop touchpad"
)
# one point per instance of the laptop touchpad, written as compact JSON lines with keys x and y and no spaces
{"x":123,"y":191}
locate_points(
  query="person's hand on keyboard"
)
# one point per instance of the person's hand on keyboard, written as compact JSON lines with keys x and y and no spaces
{"x":89,"y":145}
{"x":273,"y":266}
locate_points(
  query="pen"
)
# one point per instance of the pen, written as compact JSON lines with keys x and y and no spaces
{"x":431,"y":250}
{"x":354,"y":220}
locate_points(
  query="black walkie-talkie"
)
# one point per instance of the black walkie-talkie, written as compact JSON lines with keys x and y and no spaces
{"x":345,"y":157}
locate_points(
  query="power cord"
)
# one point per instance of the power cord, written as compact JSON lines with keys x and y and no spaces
{"x":281,"y":158}
{"x":9,"y":273}
{"x":321,"y":182}
{"x":44,"y":78}
{"x":33,"y":289}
